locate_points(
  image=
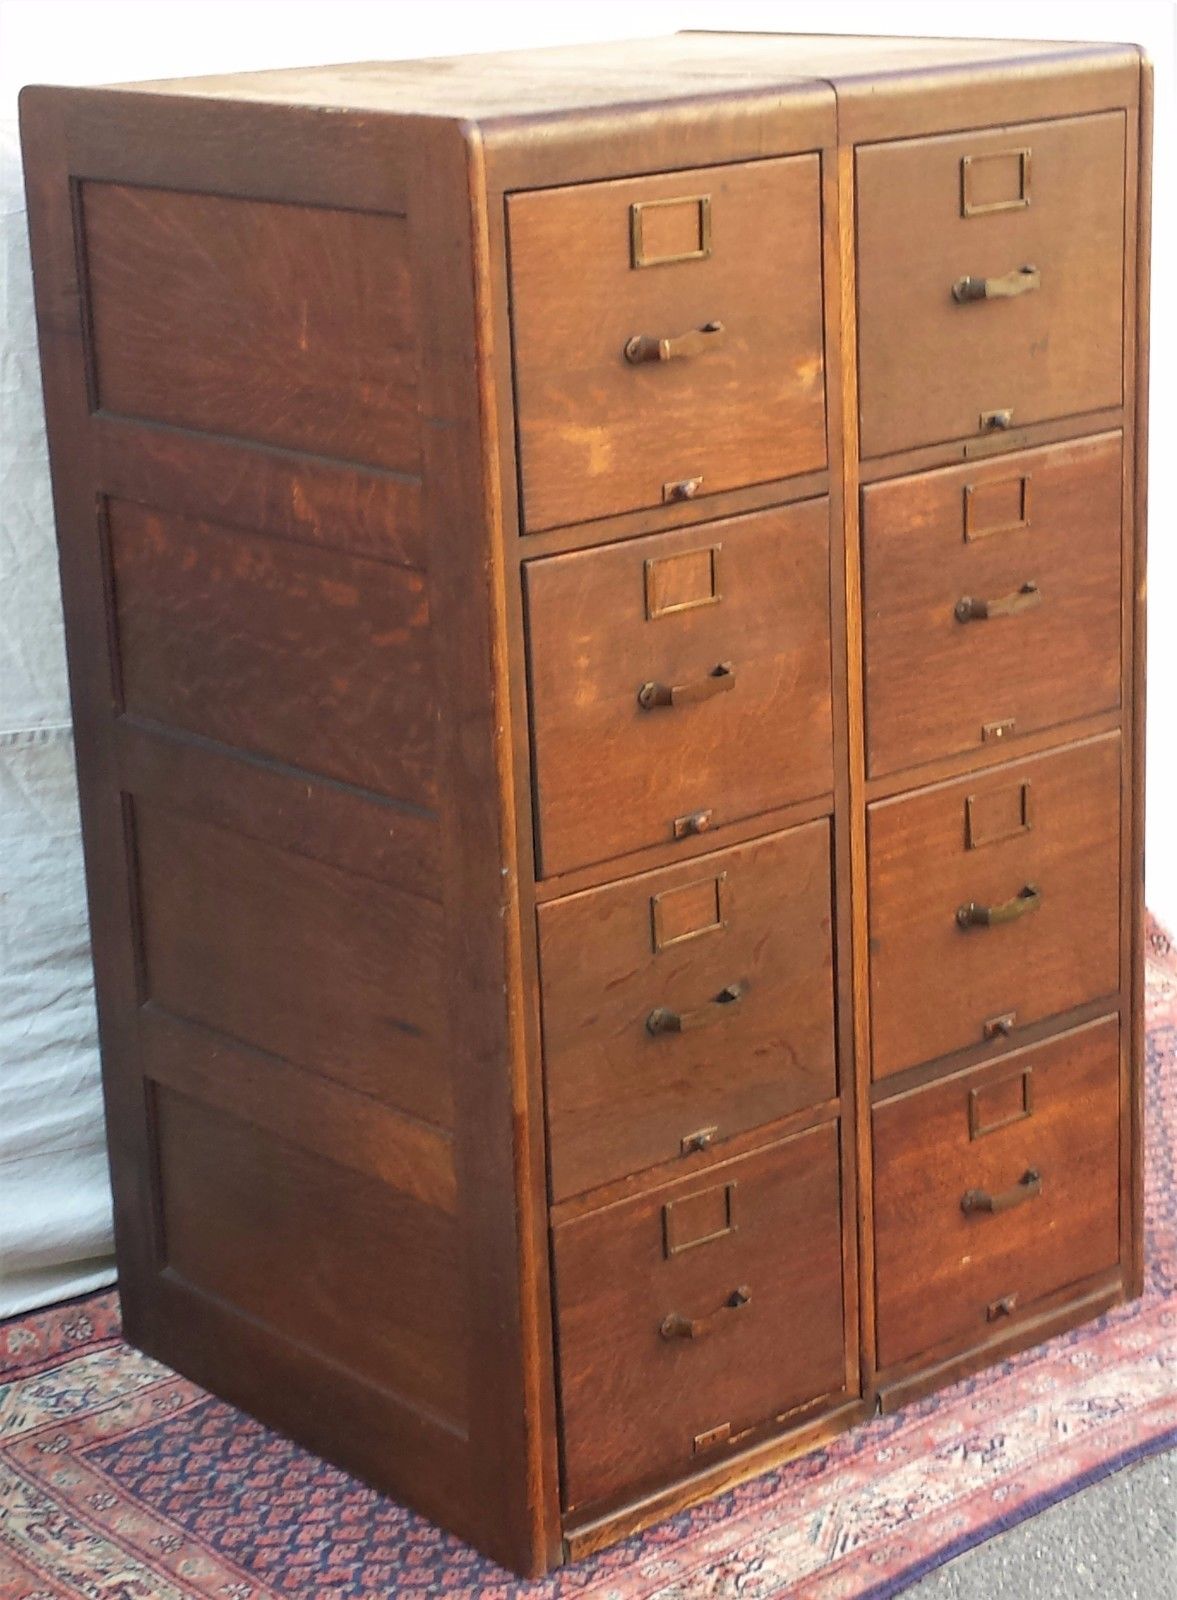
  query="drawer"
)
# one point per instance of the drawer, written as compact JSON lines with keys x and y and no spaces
{"x":697,"y":1312}
{"x":1006,"y":1179}
{"x":668,"y":337}
{"x":687,"y":1005}
{"x":981,"y":207}
{"x":993,"y":902}
{"x":679,"y":682}
{"x":991,"y":600}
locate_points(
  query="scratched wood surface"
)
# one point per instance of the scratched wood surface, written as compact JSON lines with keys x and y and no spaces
{"x":454,"y":694}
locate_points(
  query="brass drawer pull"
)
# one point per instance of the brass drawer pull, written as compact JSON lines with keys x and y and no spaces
{"x":1028,"y":1187}
{"x":1022,"y":280}
{"x":695,"y":822}
{"x":662,"y":1020}
{"x":648,"y":347}
{"x":678,"y":1327}
{"x":970,"y":609}
{"x":717,"y":681}
{"x":1026,"y":900}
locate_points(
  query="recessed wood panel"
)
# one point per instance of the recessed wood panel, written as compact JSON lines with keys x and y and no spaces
{"x":931,"y":365}
{"x":612,"y":776}
{"x":234,"y":483}
{"x":739,"y":246}
{"x":640,"y":1394}
{"x":1035,"y":539}
{"x":314,"y":657}
{"x":621,"y":1097}
{"x":1049,"y":1166}
{"x":1051,"y":891}
{"x":331,"y":971}
{"x":304,"y":1108}
{"x":243,"y":1214}
{"x":395,"y":844}
{"x":289,"y":325}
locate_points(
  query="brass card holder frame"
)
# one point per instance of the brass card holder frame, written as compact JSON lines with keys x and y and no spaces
{"x":974,"y":208}
{"x":673,"y":1243}
{"x":976,"y":838}
{"x":974,"y":529}
{"x":662,"y":940}
{"x":638,"y":255}
{"x":978,"y":1127}
{"x":654,"y":570}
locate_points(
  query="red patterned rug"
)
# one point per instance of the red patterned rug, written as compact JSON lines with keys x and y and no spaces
{"x":122,"y":1481}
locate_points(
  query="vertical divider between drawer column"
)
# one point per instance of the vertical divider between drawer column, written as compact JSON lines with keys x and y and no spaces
{"x":543,"y":1468}
{"x":1137,"y":242}
{"x":849,"y":771}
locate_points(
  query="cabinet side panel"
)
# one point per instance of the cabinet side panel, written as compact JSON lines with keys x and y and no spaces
{"x":286,"y":324}
{"x":231,"y":390}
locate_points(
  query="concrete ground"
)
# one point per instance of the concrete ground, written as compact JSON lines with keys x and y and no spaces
{"x":1116,"y":1540}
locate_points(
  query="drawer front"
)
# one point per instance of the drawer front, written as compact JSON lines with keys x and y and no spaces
{"x":729,"y":257}
{"x":982,"y":206}
{"x":1006,"y":1181}
{"x":733,"y":618}
{"x":1033,"y":847}
{"x":687,"y":1005}
{"x":697,"y":1312}
{"x":991,"y":600}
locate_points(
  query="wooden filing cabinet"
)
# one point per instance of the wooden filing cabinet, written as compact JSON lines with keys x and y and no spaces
{"x":604,"y":592}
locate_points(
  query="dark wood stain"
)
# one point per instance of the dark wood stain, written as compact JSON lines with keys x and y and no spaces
{"x":611,"y":776}
{"x":285,"y":324}
{"x":1063,"y":951}
{"x":931,"y":366}
{"x":636,"y":1401}
{"x":599,"y":435}
{"x":371,"y":537}
{"x":1048,"y":517}
{"x":968,"y":1263}
{"x":309,"y":656}
{"x":756,"y":917}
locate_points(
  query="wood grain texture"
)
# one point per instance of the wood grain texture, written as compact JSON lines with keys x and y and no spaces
{"x":934,"y":984}
{"x":395,"y":1329}
{"x":692,"y":65}
{"x":850,"y":806}
{"x":105,"y":840}
{"x":277,"y":649}
{"x":930,"y":366}
{"x":285,"y":324}
{"x":1133,"y":886}
{"x":756,"y":918}
{"x":512,"y":1513}
{"x":598,"y":435}
{"x":611,"y":776}
{"x":362,"y":834}
{"x":1048,"y":517}
{"x":337,"y":974}
{"x":355,"y":652}
{"x":627,"y":1418}
{"x":232,"y":482}
{"x":926,"y":1162}
{"x":302,"y":1108}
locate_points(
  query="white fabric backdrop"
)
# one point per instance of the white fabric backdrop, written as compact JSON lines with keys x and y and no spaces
{"x":55,"y":1233}
{"x":54,"y":1204}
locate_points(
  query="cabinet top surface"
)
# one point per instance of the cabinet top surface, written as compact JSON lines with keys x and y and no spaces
{"x":568,"y":79}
